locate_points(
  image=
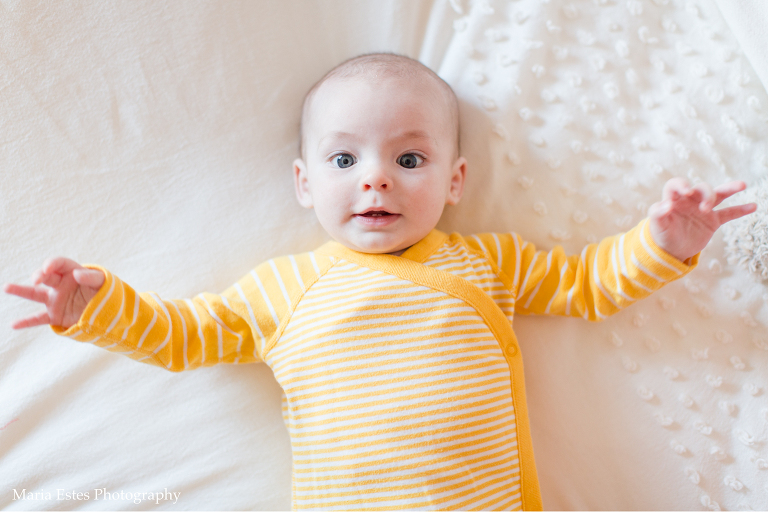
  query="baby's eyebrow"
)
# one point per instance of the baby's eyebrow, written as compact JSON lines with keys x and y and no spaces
{"x":415,"y":134}
{"x":335,"y":136}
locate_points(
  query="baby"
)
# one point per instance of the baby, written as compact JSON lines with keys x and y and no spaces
{"x":402,"y":377}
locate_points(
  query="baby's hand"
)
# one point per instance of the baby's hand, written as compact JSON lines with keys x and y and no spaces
{"x":683,"y":222}
{"x":64,"y":286}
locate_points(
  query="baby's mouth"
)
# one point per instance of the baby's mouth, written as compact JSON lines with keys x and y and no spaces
{"x":377,"y":218}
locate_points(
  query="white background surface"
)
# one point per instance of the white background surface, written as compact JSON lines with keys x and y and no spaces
{"x":156,"y":139}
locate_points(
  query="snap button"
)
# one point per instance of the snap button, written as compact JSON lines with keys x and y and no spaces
{"x":510,"y":350}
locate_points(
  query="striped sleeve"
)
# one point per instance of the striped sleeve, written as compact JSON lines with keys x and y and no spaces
{"x":602,"y":279}
{"x":237,"y":326}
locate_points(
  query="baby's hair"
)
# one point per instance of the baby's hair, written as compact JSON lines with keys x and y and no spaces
{"x":383,"y":65}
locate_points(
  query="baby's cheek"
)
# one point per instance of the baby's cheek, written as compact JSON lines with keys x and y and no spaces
{"x":332,"y":197}
{"x":430,"y":208}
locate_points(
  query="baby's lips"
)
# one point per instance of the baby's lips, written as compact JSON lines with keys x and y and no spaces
{"x":369,"y":212}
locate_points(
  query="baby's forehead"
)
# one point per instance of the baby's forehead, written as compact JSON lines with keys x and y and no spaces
{"x":404,"y":98}
{"x":329,"y":89}
{"x":378,"y":71}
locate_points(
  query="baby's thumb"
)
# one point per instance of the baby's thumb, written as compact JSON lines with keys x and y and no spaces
{"x":659,"y":213}
{"x":88,"y":277}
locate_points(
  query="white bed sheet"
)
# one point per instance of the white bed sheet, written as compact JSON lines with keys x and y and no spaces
{"x":156,"y":138}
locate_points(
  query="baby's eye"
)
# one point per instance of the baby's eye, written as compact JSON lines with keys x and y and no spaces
{"x":409,"y":160}
{"x":344,"y":160}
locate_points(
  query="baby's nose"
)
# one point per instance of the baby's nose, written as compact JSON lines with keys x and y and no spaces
{"x":377,"y":179}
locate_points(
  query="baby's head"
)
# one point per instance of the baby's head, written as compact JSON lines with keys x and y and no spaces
{"x":379,"y":152}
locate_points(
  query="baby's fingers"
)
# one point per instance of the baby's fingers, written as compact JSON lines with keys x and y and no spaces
{"x":35,"y":293}
{"x":40,"y":277}
{"x":32,"y":321}
{"x":735,"y":212}
{"x":53,"y":269}
{"x":674,"y":189}
{"x":728,"y":189}
{"x":705,"y":196}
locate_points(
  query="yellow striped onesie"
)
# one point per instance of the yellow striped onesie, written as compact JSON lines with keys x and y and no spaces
{"x":403,"y":379}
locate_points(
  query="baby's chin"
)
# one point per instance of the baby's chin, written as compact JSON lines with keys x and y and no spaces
{"x":375,"y":249}
{"x":379,"y":243}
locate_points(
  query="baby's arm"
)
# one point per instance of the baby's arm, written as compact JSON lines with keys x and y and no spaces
{"x":621,"y":269}
{"x":601,"y":280}
{"x":92,"y":305}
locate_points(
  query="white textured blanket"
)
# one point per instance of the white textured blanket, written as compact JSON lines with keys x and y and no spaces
{"x":156,"y":139}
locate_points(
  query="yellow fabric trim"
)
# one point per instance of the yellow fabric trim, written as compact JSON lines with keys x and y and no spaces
{"x":423,"y":249}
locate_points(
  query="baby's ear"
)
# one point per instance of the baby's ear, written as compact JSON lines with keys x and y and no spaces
{"x":301,"y":181}
{"x":456,"y":188}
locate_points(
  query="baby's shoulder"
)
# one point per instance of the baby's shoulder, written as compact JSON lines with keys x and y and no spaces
{"x":493,"y":246}
{"x":302,"y":267}
{"x":285,"y":277}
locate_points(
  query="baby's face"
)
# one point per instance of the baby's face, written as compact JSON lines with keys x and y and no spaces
{"x":380,"y":162}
